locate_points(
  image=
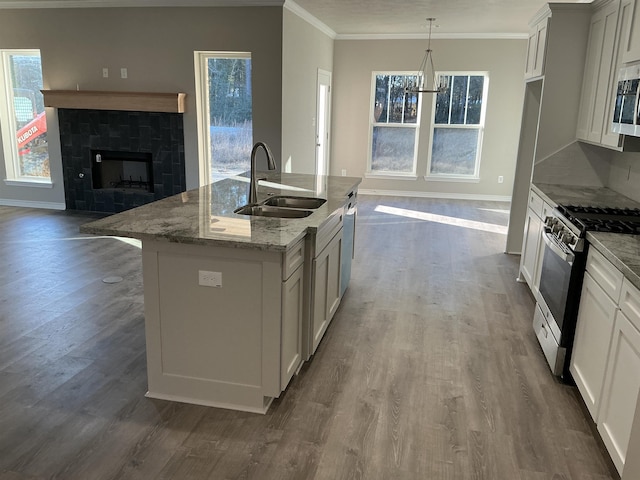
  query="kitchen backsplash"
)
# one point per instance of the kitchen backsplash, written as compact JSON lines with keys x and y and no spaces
{"x":578,"y":164}
{"x":624,"y":175}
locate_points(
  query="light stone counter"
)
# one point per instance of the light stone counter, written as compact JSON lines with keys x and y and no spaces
{"x":204,"y":216}
{"x":621,"y":250}
{"x":556,"y":195}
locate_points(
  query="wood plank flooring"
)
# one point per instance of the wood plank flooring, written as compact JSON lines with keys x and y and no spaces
{"x":429,"y":370}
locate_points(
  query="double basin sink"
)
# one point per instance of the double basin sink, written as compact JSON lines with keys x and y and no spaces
{"x":282,"y":206}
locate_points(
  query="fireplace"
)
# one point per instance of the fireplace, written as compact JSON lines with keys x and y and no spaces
{"x":126,"y":171}
{"x":141,"y":158}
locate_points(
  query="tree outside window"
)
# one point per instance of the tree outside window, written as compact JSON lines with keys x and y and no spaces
{"x":458,"y":125}
{"x":395,"y":121}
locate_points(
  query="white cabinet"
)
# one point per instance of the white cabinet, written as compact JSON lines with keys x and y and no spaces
{"x":532,"y":245}
{"x":536,"y":47}
{"x":533,"y":227}
{"x":596,"y":317}
{"x":605,"y":361}
{"x":622,"y":383}
{"x":323,"y":252}
{"x":292,"y":314}
{"x":630,"y":30}
{"x":598,"y":83}
{"x":326,"y":287}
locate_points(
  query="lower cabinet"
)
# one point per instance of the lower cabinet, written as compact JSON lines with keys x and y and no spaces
{"x":605,"y":362}
{"x":322,"y":296}
{"x":326,"y":287}
{"x":532,"y":244}
{"x":596,"y":318}
{"x":292,"y":313}
{"x":622,"y":380}
{"x":533,"y":227}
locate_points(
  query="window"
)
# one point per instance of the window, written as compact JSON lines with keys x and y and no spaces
{"x":224,"y":113}
{"x":24,"y":126}
{"x":395,"y":121}
{"x":458,"y":126}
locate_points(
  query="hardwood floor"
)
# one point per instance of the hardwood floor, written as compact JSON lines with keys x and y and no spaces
{"x":429,"y":370}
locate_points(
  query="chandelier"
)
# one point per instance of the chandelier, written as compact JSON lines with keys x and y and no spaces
{"x":421,"y":86}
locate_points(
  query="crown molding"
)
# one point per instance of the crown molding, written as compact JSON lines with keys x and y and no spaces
{"x":136,"y":3}
{"x":435,"y":36}
{"x":296,"y":9}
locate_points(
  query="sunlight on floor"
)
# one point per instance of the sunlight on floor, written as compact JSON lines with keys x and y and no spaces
{"x":495,"y":210}
{"x":431,"y":217}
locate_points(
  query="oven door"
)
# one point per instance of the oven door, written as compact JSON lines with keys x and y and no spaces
{"x":555,"y":277}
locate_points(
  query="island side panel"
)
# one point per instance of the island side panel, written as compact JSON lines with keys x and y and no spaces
{"x":214,"y":346}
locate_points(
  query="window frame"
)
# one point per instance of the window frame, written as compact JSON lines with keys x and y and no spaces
{"x":9,"y":127}
{"x":386,"y":174}
{"x":448,"y":177}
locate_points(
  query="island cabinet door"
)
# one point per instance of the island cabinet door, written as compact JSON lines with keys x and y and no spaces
{"x":326,"y":287}
{"x":291,"y":336}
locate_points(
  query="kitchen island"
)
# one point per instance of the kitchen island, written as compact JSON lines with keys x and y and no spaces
{"x":235,"y":303}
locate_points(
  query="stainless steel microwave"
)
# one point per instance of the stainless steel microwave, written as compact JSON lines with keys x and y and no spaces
{"x":626,"y":114}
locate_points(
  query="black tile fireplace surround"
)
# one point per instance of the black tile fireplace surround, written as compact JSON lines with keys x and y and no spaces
{"x":158,"y":134}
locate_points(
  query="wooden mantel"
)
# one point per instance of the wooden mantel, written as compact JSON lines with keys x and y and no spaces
{"x":127,"y":101}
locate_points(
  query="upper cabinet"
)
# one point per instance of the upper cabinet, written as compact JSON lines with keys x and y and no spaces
{"x":614,"y":39}
{"x":599,"y":78}
{"x":630,"y":30}
{"x":536,"y":46}
{"x":564,"y":51}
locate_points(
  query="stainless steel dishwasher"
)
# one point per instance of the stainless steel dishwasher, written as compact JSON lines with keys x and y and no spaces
{"x":348,"y":240}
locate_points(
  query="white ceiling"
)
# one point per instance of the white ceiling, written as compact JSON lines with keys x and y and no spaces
{"x":479,"y":18}
{"x":365,"y":18}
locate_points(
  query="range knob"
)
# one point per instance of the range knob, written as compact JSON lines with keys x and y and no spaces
{"x":567,"y":238}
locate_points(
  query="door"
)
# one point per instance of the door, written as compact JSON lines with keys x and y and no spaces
{"x":224,"y":113}
{"x":323,"y":122}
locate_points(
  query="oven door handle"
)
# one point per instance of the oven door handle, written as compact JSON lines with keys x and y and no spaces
{"x":552,"y":244}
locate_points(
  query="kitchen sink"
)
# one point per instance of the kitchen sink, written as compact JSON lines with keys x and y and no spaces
{"x":271,"y":211}
{"x":294,"y":202}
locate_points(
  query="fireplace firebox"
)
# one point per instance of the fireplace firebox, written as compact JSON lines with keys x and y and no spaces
{"x":127,"y":171}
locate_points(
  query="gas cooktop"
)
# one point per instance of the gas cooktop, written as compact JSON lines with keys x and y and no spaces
{"x":602,"y":219}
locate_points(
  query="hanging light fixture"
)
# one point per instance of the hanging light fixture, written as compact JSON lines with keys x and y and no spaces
{"x":423,"y":72}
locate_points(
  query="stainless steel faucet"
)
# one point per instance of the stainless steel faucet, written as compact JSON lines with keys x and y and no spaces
{"x":253,"y":189}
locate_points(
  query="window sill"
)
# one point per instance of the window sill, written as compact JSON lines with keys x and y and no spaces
{"x":29,"y":183}
{"x":391,"y":176}
{"x":452,"y":179}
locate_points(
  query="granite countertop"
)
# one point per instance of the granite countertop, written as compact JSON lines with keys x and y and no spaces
{"x":620,"y":249}
{"x":205,"y":215}
{"x":556,"y":195}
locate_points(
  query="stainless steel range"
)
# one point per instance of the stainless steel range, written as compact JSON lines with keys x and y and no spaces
{"x":563,"y":265}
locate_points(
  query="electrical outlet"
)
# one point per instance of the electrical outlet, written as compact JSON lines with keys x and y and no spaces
{"x":209,"y":279}
{"x":500,"y":179}
{"x":344,"y":172}
{"x":123,"y":73}
{"x":105,"y":73}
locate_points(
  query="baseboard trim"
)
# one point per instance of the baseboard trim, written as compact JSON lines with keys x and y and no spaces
{"x":9,"y":202}
{"x":452,"y":196}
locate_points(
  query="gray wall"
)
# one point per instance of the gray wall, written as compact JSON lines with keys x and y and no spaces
{"x":354,"y":62}
{"x":156,"y":45}
{"x":305,"y":50}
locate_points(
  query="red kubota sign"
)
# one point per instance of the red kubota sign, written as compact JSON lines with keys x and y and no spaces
{"x":32,"y":130}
